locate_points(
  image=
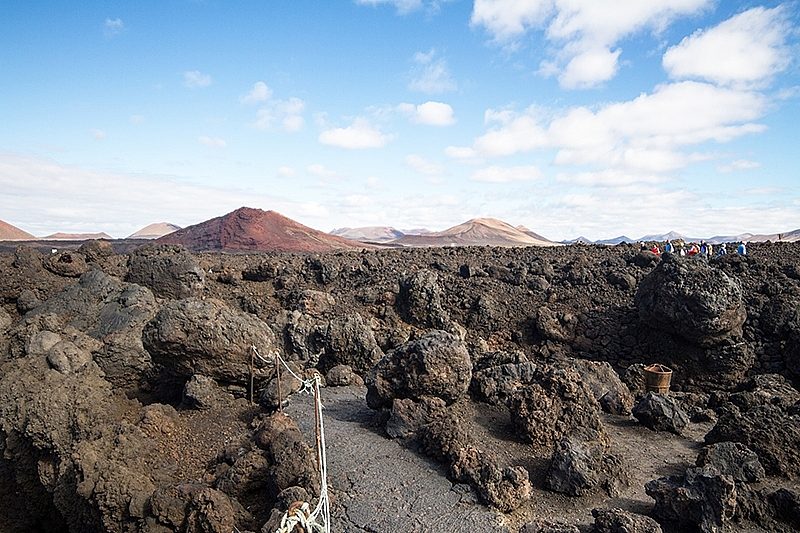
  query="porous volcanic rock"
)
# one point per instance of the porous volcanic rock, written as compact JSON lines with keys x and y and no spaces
{"x":445,"y":439}
{"x":169,"y":271}
{"x":5,"y":321}
{"x":691,"y":299}
{"x":660,"y":413}
{"x":408,"y":416}
{"x":732,"y":459}
{"x":95,"y":250}
{"x":702,"y":498}
{"x":770,"y":431}
{"x":348,"y":340}
{"x":193,"y":336}
{"x":76,"y":459}
{"x":106,"y":310}
{"x":202,"y":393}
{"x":420,"y":300}
{"x":608,"y":389}
{"x":580,"y":465}
{"x":195,"y":507}
{"x":67,"y":264}
{"x":618,"y":520}
{"x":548,"y":526}
{"x":437,"y":364}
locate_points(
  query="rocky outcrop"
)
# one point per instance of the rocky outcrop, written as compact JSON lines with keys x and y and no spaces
{"x":702,"y":498}
{"x":104,"y":309}
{"x":660,"y":413}
{"x":348,"y":340}
{"x":67,"y":264}
{"x":691,"y":299}
{"x":732,"y":459}
{"x":445,"y":439}
{"x":169,"y":271}
{"x":437,"y":364}
{"x":420,"y":301}
{"x":206,"y":337}
{"x":618,"y":520}
{"x":580,"y":465}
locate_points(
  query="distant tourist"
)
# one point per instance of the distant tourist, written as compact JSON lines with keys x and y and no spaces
{"x":709,"y":249}
{"x":703,"y":248}
{"x":741,"y":249}
{"x":681,"y":250}
{"x":655,"y":249}
{"x":693,"y":250}
{"x":723,"y":250}
{"x":668,"y":249}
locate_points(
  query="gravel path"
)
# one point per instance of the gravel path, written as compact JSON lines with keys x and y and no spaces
{"x":379,"y":486}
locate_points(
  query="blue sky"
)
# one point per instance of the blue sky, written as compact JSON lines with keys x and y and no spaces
{"x":594,"y":117}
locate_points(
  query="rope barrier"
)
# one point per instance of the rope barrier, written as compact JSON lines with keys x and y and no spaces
{"x":298,"y":515}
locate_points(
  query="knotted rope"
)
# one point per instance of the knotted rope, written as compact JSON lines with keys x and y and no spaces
{"x":298,"y":516}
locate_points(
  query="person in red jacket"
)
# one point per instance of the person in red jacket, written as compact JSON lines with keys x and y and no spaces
{"x":655,"y":249}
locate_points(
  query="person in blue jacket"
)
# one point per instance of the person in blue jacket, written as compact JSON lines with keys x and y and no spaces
{"x":741,"y":249}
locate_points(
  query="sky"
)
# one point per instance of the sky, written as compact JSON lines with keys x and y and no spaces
{"x":592,"y":118}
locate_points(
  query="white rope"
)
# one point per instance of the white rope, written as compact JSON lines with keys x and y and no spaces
{"x":300,"y":515}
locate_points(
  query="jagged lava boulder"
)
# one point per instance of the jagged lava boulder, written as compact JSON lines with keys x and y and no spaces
{"x":169,"y":271}
{"x":691,"y":299}
{"x":661,"y":413}
{"x":106,"y":310}
{"x":437,"y":364}
{"x":193,"y":336}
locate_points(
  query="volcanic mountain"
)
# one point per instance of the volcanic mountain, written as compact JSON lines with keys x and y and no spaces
{"x":154,"y":231}
{"x":254,"y":230}
{"x":369,"y":233}
{"x":76,"y":236}
{"x":476,"y":232}
{"x":13,"y":233}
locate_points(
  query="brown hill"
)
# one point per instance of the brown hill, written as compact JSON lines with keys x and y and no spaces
{"x":13,"y":233}
{"x":76,"y":236}
{"x":154,"y":231}
{"x":254,"y":230}
{"x":476,"y":232}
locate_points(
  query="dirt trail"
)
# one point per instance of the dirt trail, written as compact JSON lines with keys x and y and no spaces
{"x":379,"y":486}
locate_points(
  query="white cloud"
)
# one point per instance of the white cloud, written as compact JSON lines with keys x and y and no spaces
{"x":212,"y":142}
{"x":518,"y":134}
{"x":585,"y":33}
{"x":460,"y":152}
{"x":495,"y":174}
{"x":424,"y":166}
{"x":507,"y":19}
{"x":359,"y":135}
{"x":288,"y":112}
{"x":405,"y":7}
{"x":429,"y":113}
{"x":321,"y":171}
{"x":97,"y":134}
{"x":748,"y":48}
{"x":45,"y":196}
{"x":431,"y":75}
{"x":589,"y":68}
{"x":739,"y":164}
{"x":113,"y":27}
{"x":259,"y":93}
{"x":136,"y":119}
{"x":195,"y":79}
{"x":643,"y":133}
{"x":286,"y":171}
{"x":609,"y":178}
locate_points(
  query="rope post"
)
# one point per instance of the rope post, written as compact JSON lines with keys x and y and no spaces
{"x":278,"y":377}
{"x":252,"y":363}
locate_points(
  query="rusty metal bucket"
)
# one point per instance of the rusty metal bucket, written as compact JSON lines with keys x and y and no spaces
{"x":657,"y":378}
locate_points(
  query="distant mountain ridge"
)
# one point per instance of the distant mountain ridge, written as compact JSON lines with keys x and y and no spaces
{"x":76,"y":236}
{"x":253,"y":230}
{"x":369,"y":233}
{"x":789,"y":236}
{"x":476,"y":232}
{"x":13,"y":233}
{"x":154,"y":231}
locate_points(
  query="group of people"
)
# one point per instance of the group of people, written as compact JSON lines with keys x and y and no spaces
{"x":703,"y":250}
